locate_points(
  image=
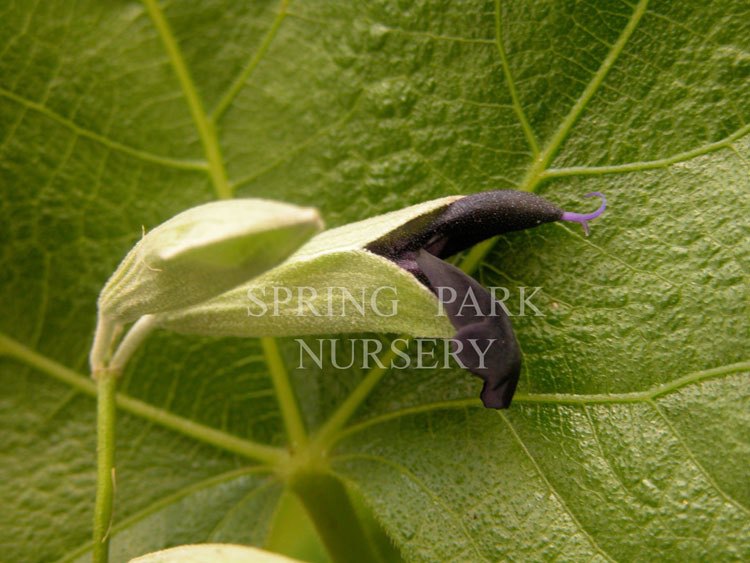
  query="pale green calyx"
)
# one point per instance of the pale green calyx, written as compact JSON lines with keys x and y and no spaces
{"x":203,"y":252}
{"x":331,"y":284}
{"x":213,"y":553}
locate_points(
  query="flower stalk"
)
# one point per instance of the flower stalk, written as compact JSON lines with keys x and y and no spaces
{"x":190,"y":258}
{"x":106,"y":383}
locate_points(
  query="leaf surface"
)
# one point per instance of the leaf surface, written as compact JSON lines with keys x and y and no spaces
{"x":628,"y":436}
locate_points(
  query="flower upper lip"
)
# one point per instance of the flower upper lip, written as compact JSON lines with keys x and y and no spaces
{"x":419,"y":245}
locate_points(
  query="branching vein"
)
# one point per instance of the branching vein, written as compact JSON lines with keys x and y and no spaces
{"x":101,"y":139}
{"x":247,"y":72}
{"x":534,"y":174}
{"x":563,"y":398}
{"x":527,"y":131}
{"x":200,"y":432}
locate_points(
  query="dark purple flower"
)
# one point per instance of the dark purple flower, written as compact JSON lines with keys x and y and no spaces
{"x":419,"y":246}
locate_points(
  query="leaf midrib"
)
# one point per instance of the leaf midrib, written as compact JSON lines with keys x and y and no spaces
{"x":562,"y":398}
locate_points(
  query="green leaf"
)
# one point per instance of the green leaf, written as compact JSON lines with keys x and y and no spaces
{"x":627,"y":439}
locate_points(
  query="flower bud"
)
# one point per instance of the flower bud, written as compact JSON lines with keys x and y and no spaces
{"x":402,"y":251}
{"x":203,"y":252}
{"x":214,"y":552}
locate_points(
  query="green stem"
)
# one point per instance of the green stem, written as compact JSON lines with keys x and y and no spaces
{"x":330,"y":508}
{"x":105,"y":335}
{"x":106,"y":382}
{"x":131,"y":341}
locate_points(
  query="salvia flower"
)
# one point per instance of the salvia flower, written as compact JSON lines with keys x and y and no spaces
{"x":418,"y":248}
{"x":404,"y":251}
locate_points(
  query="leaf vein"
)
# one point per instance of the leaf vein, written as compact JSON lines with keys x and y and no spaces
{"x":641,"y":166}
{"x":534,"y":175}
{"x":290,"y":413}
{"x":253,"y":492}
{"x":419,"y":483}
{"x":552,"y":489}
{"x":559,"y":398}
{"x":240,"y":446}
{"x":517,"y":108}
{"x":237,"y":84}
{"x":614,"y":257}
{"x":182,"y":164}
{"x":205,"y":128}
{"x":678,"y":436}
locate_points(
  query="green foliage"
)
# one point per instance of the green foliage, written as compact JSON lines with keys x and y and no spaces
{"x":628,"y":437}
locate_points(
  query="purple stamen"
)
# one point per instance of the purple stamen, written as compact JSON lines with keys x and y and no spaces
{"x":584,"y":218}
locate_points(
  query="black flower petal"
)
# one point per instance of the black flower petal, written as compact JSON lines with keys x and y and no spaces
{"x":418,"y":246}
{"x":479,"y":329}
{"x":466,"y":222}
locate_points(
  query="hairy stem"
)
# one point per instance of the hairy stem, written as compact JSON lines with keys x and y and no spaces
{"x":105,"y":335}
{"x":131,"y":341}
{"x":106,"y":381}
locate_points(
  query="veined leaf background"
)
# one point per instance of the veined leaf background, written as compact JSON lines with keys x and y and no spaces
{"x":629,"y":438}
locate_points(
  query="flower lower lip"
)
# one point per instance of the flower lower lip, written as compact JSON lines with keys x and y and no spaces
{"x":481,"y":331}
